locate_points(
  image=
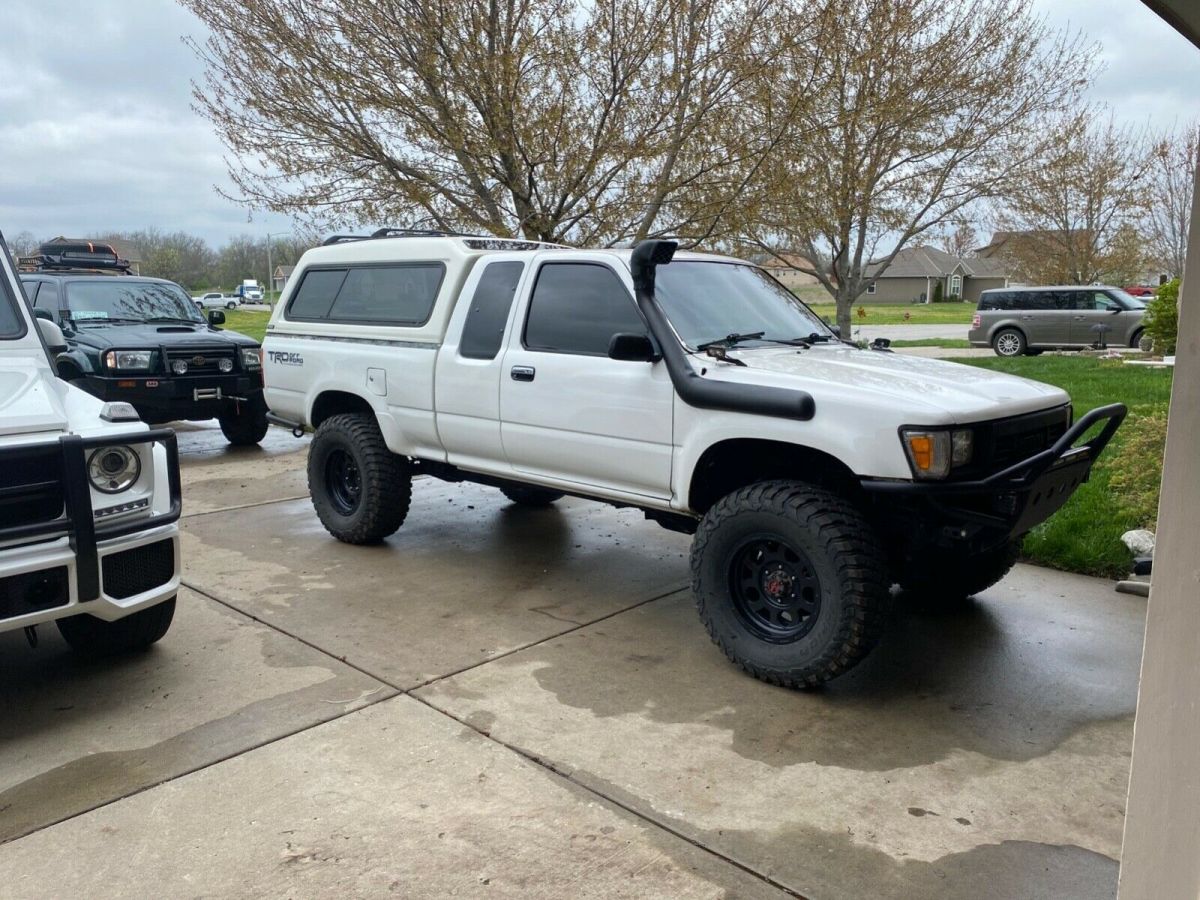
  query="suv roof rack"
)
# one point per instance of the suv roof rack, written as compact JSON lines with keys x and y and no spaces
{"x":474,"y":241}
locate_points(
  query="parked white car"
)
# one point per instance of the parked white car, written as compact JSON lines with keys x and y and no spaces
{"x":813,"y":474}
{"x":89,"y":499}
{"x":216,"y":300}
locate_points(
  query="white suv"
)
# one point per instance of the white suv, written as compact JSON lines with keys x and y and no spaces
{"x":814,"y":474}
{"x":89,"y":499}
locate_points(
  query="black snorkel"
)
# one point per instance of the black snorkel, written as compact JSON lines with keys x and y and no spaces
{"x":703,"y":393}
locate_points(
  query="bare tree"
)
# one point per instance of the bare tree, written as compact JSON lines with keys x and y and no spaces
{"x":1176,"y":156}
{"x":959,"y":238}
{"x":1064,"y":217}
{"x":552,"y":119}
{"x":919,"y":109}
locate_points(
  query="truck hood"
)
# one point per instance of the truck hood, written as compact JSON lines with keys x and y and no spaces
{"x":155,"y":335}
{"x":29,"y":400}
{"x":912,"y":383}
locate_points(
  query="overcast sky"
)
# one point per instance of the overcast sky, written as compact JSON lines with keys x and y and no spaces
{"x":98,"y":131}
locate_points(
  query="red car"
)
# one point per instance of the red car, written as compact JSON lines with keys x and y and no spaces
{"x":1141,"y":290}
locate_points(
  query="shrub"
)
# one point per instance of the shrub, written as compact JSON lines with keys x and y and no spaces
{"x":1136,"y":465}
{"x":937,"y":292}
{"x":1162,"y":318}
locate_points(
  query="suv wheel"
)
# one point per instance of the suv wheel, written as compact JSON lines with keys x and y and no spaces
{"x":1009,"y":343}
{"x":246,"y":426}
{"x":95,"y":637}
{"x":789,"y":582}
{"x":1135,"y":340}
{"x":360,"y":489}
{"x":530,"y":496}
{"x":948,"y":580}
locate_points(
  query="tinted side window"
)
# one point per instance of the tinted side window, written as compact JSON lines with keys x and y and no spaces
{"x":395,"y":295}
{"x":577,"y":308}
{"x":484,"y":329}
{"x":31,"y":290}
{"x":316,"y":294}
{"x":47,"y":297}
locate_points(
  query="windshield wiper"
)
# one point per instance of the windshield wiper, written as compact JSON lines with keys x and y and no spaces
{"x":732,"y":340}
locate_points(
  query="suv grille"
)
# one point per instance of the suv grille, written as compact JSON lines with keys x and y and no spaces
{"x":201,"y":361}
{"x":140,"y":569}
{"x":31,"y":490}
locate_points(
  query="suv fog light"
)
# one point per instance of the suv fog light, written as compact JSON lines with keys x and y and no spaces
{"x":179,"y":367}
{"x":225,"y":365}
{"x":113,"y":469}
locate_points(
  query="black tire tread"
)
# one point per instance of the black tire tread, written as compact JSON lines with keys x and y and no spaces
{"x":94,"y":637}
{"x":528,"y":495}
{"x":386,"y":477}
{"x":851,"y":543}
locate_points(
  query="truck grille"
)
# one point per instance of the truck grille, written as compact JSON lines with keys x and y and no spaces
{"x":1021,"y":437}
{"x":140,"y":569}
{"x":31,"y":490}
{"x":202,"y":361}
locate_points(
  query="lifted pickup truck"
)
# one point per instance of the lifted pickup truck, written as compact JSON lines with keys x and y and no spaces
{"x":89,"y":499}
{"x":814,"y":474}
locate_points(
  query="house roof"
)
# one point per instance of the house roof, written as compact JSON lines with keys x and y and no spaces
{"x":929,"y":262}
{"x":284,"y":271}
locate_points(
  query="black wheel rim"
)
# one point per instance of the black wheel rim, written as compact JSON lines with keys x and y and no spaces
{"x":775,"y":589}
{"x":343,"y":481}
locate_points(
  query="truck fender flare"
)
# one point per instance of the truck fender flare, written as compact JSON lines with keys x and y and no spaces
{"x":693,"y":389}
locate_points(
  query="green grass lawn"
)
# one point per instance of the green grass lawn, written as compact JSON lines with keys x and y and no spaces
{"x":893,"y":314}
{"x":945,"y":343}
{"x":1085,"y":535}
{"x":250,"y":322}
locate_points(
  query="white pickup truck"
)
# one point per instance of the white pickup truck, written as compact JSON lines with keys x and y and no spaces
{"x":89,"y":499}
{"x":814,"y":474}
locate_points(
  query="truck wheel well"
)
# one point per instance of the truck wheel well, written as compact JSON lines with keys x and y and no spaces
{"x":726,"y":466}
{"x":333,"y":403}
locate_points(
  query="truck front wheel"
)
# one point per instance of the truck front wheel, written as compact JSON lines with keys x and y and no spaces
{"x":247,"y":425}
{"x":360,"y":489}
{"x":789,"y":582}
{"x":95,"y":637}
{"x":947,"y":580}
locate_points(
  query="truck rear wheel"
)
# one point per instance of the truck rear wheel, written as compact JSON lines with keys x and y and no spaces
{"x":246,"y":426}
{"x":789,"y":582}
{"x":946,"y":581}
{"x":95,"y":637}
{"x":530,"y":496}
{"x":360,"y":489}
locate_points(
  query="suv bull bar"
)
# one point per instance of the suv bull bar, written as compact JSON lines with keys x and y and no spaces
{"x":1025,"y":493}
{"x":78,"y":522}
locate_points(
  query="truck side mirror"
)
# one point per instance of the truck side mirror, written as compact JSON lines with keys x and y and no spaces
{"x":216,"y":317}
{"x":632,"y":348}
{"x":52,"y":335}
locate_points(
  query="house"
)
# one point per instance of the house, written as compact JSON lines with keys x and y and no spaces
{"x":926,"y":274}
{"x":280,"y":276}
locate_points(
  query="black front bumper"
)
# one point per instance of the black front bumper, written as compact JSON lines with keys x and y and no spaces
{"x":1010,"y":502}
{"x":77,"y":521}
{"x":169,"y":397}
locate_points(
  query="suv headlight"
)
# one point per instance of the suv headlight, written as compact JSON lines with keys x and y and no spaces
{"x":128,"y":359}
{"x":251,"y":358}
{"x":113,"y":469}
{"x":933,"y":452}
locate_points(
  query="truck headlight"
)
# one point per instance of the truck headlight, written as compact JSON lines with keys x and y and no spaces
{"x":932,"y":453}
{"x":130,"y":360}
{"x":251,"y":358}
{"x":113,"y":469}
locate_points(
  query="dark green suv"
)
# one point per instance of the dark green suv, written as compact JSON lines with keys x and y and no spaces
{"x":143,"y":341}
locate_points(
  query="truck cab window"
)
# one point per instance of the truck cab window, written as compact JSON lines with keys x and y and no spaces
{"x":577,"y":308}
{"x":484,"y":329}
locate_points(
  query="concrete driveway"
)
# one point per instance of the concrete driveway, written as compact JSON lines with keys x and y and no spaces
{"x":509,"y":702}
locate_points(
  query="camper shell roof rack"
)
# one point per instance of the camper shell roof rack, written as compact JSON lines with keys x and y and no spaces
{"x":473,"y":241}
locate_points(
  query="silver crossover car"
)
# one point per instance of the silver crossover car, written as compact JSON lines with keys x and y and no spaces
{"x":1027,"y":320}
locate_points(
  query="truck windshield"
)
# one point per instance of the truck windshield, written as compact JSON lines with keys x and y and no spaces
{"x":706,"y":301}
{"x":118,"y":299}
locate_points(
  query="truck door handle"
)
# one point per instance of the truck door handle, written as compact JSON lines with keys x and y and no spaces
{"x":523,"y":373}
